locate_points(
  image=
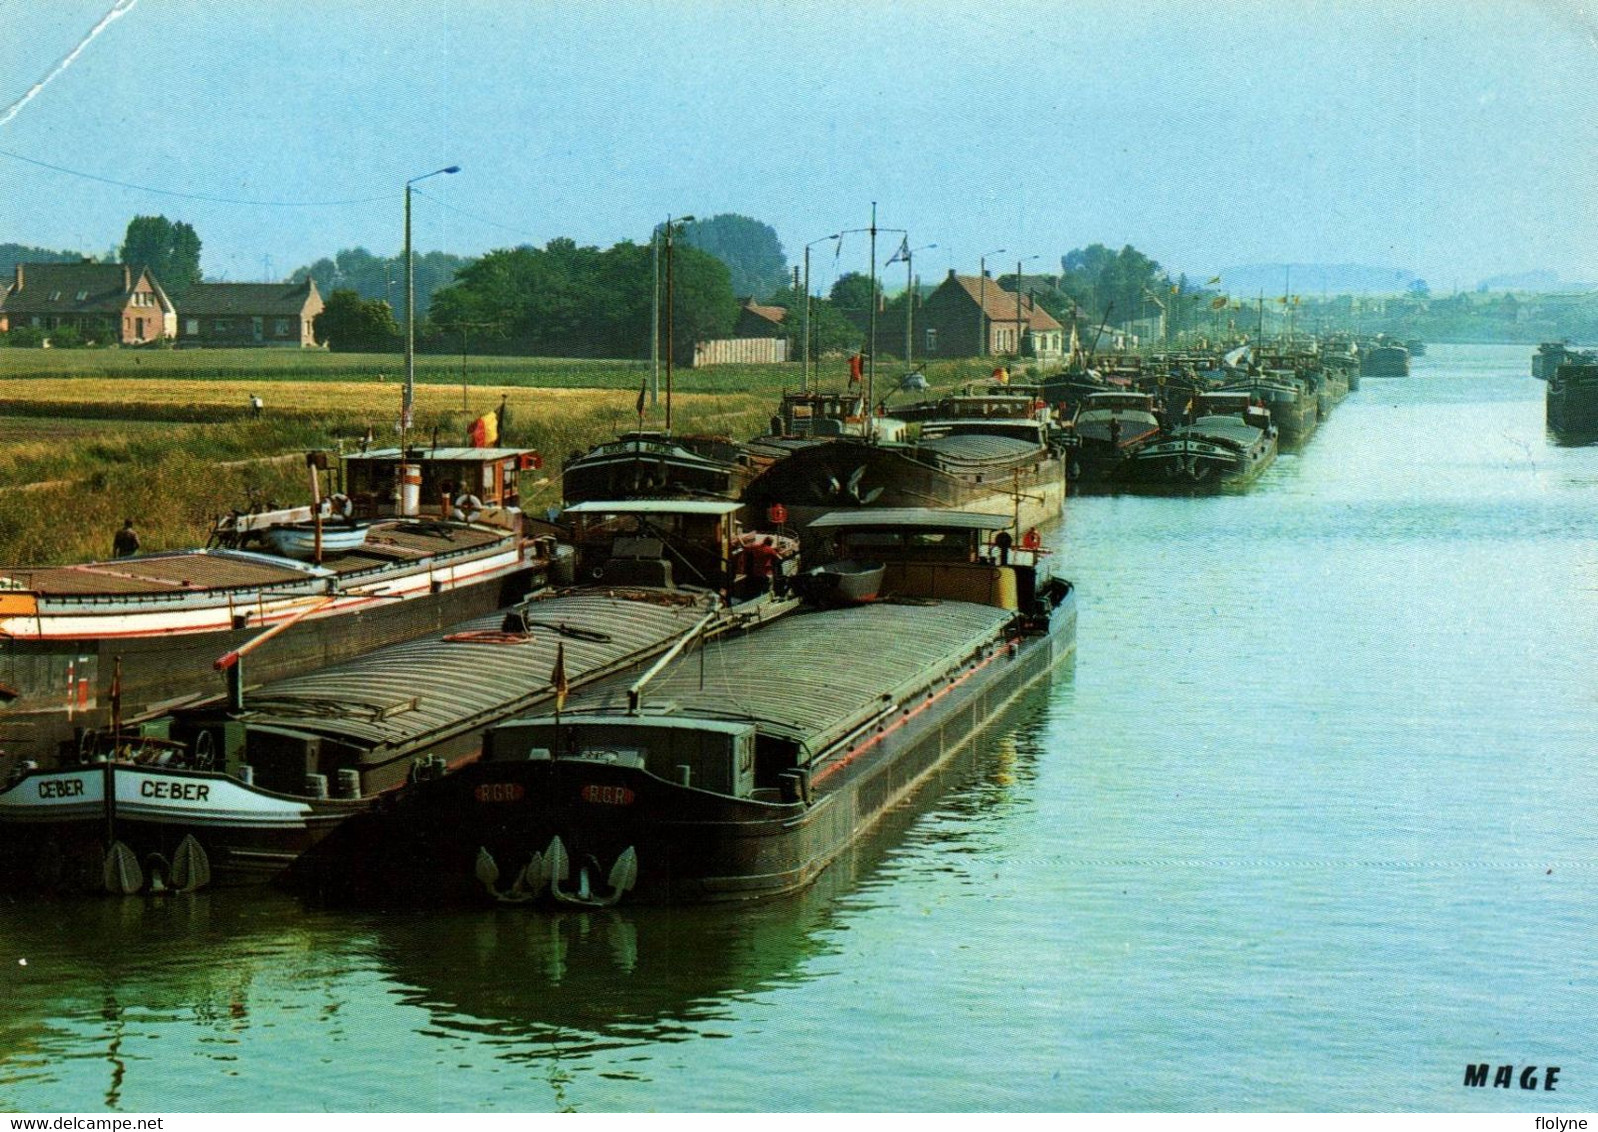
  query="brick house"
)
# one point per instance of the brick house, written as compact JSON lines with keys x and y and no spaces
{"x":105,"y":302}
{"x":758,"y":321}
{"x":968,"y":313}
{"x":250,"y":314}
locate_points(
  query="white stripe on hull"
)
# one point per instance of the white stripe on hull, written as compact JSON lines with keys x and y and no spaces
{"x":217,"y":613}
{"x":195,"y":800}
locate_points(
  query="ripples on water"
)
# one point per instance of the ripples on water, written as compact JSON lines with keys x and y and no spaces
{"x":1308,"y":825}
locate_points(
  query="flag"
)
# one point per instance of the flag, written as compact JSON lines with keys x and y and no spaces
{"x":902,"y":254}
{"x":484,"y":432}
{"x":1216,"y":279}
{"x":643,"y":386}
{"x":855,"y":369}
{"x":557,"y":678}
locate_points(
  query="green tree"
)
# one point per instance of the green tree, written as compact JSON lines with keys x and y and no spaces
{"x":383,"y":277}
{"x":351,"y":323}
{"x":171,"y":252}
{"x":704,"y":305}
{"x":755,"y":261}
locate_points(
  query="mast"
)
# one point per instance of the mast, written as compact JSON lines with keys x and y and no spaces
{"x":871,"y":342}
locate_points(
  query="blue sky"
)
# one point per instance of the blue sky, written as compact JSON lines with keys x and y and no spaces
{"x":1456,"y":138}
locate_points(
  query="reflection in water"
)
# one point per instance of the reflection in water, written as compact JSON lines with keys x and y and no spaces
{"x":244,"y":999}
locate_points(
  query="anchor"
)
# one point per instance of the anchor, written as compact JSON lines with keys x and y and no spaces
{"x":622,"y":877}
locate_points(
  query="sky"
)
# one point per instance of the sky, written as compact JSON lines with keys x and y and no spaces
{"x":1454,"y":138}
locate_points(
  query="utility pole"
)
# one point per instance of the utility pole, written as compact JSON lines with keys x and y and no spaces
{"x":982,"y":302}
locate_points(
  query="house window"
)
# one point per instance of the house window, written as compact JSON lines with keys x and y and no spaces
{"x":932,"y":339}
{"x":82,"y":295}
{"x":55,"y":296}
{"x":191,"y":326}
{"x":221,"y":326}
{"x":280,"y":328}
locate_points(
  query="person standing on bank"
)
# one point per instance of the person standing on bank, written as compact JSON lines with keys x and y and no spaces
{"x":126,"y":541}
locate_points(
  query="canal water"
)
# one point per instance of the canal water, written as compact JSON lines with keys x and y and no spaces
{"x":1309,"y":824}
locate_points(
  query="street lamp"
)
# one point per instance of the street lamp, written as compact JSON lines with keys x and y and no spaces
{"x":804,"y":381}
{"x":410,"y":331}
{"x":1018,"y":264}
{"x":910,"y":301}
{"x":671,"y":308}
{"x":982,"y":302}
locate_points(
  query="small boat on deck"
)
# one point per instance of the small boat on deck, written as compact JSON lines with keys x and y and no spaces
{"x":167,"y":615}
{"x":742,"y":777}
{"x":232,"y":790}
{"x":849,"y":581}
{"x":307,"y":541}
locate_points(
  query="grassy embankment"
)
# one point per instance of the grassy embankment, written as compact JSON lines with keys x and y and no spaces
{"x":164,"y":437}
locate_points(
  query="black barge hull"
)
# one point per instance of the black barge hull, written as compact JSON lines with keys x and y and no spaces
{"x":691,"y":845}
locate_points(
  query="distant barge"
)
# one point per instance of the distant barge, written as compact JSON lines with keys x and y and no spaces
{"x":740,"y":774}
{"x":1572,"y":403}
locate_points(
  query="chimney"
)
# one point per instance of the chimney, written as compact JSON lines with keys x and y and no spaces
{"x":987,"y":274}
{"x":19,"y":277}
{"x":951,"y":273}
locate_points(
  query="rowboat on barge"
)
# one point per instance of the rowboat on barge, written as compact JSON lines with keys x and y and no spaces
{"x":168,"y":615}
{"x":744,"y":774}
{"x":237,"y":788}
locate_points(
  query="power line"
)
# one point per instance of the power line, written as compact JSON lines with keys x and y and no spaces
{"x":190,"y":196}
{"x":473,"y":215}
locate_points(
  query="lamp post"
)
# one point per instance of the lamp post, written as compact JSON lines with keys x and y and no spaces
{"x":804,"y":381}
{"x":1018,"y":264}
{"x":910,"y":302}
{"x":982,"y":301}
{"x":410,"y":316}
{"x":671,"y":308}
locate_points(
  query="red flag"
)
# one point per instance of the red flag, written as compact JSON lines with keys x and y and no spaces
{"x":557,"y":678}
{"x":856,"y":369}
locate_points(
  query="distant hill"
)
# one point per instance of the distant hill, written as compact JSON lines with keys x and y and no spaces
{"x":1312,"y":279}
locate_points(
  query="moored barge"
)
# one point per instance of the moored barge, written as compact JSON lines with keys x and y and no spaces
{"x":744,"y":773}
{"x":167,"y":616}
{"x":238,"y":788}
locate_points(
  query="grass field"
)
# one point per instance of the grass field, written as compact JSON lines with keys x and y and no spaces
{"x":165,"y":437}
